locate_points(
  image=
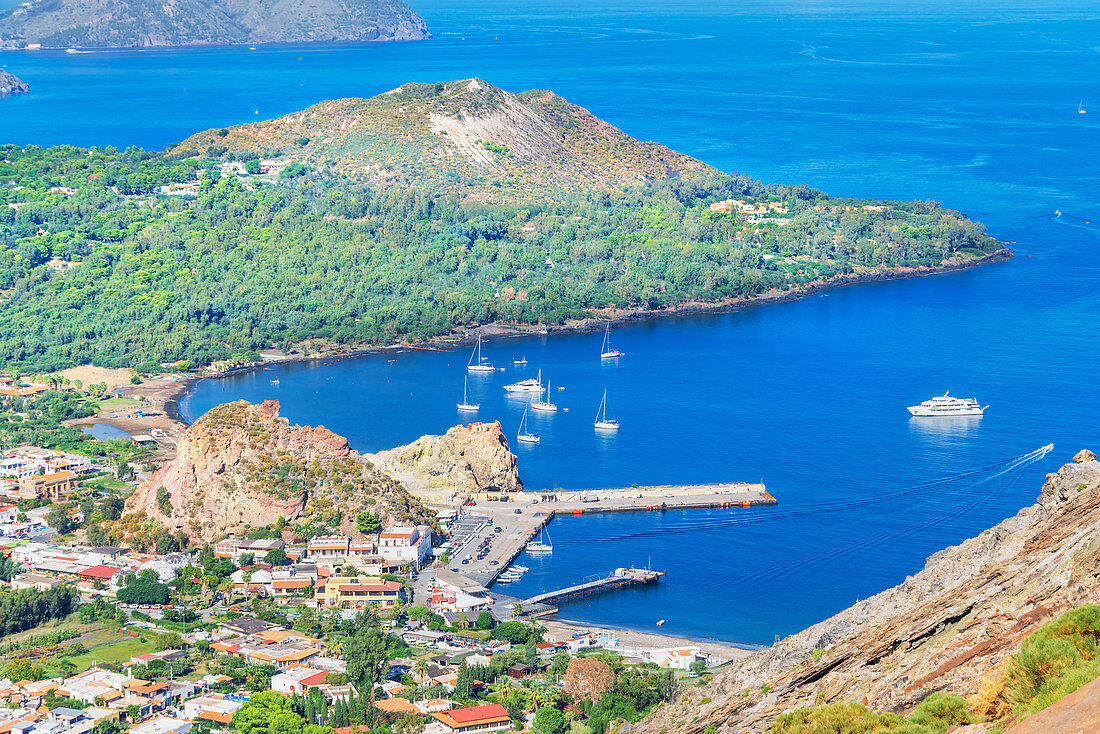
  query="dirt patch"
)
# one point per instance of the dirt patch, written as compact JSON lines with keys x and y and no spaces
{"x":89,"y":375}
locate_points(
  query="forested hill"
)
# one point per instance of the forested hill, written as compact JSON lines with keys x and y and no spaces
{"x":146,"y":23}
{"x":467,"y":138}
{"x":97,"y":266}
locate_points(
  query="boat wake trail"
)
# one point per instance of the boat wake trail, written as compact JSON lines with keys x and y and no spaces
{"x":956,"y":484}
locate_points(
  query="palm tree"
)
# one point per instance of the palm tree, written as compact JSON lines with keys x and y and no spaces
{"x":421,"y":667}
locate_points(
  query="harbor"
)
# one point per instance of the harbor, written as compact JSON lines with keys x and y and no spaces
{"x":496,"y":528}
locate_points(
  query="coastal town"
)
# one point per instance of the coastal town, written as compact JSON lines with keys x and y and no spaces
{"x":396,"y":627}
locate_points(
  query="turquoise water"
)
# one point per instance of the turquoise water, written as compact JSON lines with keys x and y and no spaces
{"x":973,"y":107}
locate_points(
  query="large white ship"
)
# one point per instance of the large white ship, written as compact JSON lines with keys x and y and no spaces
{"x":947,"y":406}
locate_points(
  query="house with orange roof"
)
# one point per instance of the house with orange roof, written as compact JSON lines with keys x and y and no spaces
{"x":491,"y":717}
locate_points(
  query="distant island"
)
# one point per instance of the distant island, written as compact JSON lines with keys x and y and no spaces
{"x":11,"y":84}
{"x":415,"y":215}
{"x":151,"y":23}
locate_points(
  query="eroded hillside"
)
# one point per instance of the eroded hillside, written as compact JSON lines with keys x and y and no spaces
{"x":948,"y":628}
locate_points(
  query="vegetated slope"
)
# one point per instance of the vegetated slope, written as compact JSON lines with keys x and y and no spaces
{"x":11,"y":84}
{"x":468,"y":137}
{"x":950,"y":627}
{"x":145,"y":23}
{"x":241,"y":465}
{"x":97,"y":267}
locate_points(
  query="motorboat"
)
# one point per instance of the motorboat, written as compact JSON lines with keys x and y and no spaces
{"x":531,"y":384}
{"x":947,"y":406}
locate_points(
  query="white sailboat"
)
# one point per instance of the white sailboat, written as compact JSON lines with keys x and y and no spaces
{"x":542,"y":545}
{"x":523,"y":436}
{"x":543,"y":404}
{"x":466,"y":405}
{"x":603,"y":423}
{"x":606,"y":352}
{"x":1081,"y":107}
{"x":482,"y":364}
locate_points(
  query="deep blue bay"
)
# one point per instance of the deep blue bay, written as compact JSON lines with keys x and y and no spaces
{"x":974,"y":107}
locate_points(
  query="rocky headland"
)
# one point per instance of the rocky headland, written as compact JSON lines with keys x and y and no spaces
{"x":465,"y":460}
{"x":147,"y":24}
{"x":11,"y":84}
{"x":243,"y":466}
{"x":950,"y":627}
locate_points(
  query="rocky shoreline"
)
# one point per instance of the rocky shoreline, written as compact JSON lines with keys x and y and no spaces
{"x":11,"y":84}
{"x":494,"y":331}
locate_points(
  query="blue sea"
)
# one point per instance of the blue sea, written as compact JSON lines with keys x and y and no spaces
{"x":973,"y":105}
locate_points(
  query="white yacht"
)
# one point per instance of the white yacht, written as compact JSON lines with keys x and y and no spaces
{"x":531,"y":384}
{"x":543,"y":405}
{"x":606,"y":352}
{"x":523,"y":435}
{"x":519,"y":362}
{"x":481,"y":364}
{"x":603,"y":423}
{"x":466,"y":405}
{"x":947,"y":406}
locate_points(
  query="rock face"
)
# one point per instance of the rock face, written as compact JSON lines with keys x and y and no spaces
{"x":11,"y":84}
{"x":242,"y":465}
{"x":467,"y":459}
{"x":148,"y":23}
{"x":941,"y":630}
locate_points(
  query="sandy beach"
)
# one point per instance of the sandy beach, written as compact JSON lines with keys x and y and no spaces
{"x":632,"y":640}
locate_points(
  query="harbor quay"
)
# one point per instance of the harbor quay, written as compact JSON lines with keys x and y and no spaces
{"x":517,"y":519}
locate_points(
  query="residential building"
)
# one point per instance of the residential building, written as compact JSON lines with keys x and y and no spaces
{"x":297,"y":680}
{"x":491,"y":717}
{"x":412,"y":545}
{"x":162,"y":725}
{"x":328,"y":550}
{"x":35,"y":581}
{"x":53,"y":487}
{"x":213,"y":707}
{"x":356,"y":592}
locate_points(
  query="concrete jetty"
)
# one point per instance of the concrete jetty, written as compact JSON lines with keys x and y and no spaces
{"x":618,"y":578}
{"x":522,"y":516}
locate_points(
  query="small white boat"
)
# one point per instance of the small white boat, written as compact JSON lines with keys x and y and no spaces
{"x":606,"y":352}
{"x":542,"y":545}
{"x":520,"y":569}
{"x":945,"y":406}
{"x":660,"y":622}
{"x":1081,"y":107}
{"x":274,"y":382}
{"x":603,"y":423}
{"x":523,"y":436}
{"x":518,"y":362}
{"x":466,"y":405}
{"x":481,"y":364}
{"x":531,"y":384}
{"x":544,"y":406}
{"x":505,"y":580}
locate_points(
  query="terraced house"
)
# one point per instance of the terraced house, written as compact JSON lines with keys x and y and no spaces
{"x":357,"y":592}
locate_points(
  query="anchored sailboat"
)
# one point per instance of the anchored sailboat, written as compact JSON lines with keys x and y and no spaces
{"x":482,"y":364}
{"x":606,"y":352}
{"x":523,"y":436}
{"x":543,"y":404}
{"x":603,"y":423}
{"x":466,"y":404}
{"x":1081,"y":107}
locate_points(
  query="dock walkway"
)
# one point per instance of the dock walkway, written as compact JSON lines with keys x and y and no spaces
{"x":616,"y":579}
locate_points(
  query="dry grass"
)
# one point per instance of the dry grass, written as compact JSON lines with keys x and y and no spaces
{"x":89,"y":375}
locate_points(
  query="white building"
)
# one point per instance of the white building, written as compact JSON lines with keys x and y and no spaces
{"x":162,"y":725}
{"x":406,"y":545}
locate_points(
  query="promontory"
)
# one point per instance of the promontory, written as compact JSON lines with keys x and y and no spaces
{"x":11,"y":84}
{"x":150,"y":23}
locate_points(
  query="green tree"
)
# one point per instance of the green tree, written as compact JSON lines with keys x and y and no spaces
{"x":275,"y":557}
{"x":365,"y":654}
{"x":368,"y":523}
{"x":485,"y":620}
{"x":58,"y":518}
{"x":549,"y":720}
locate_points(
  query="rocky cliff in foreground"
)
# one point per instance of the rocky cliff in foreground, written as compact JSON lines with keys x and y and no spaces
{"x":467,"y":459}
{"x":149,"y":23}
{"x":11,"y":84}
{"x":243,"y":465}
{"x":948,"y":628}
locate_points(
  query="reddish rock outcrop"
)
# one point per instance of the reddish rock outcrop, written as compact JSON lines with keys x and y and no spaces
{"x":243,"y":465}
